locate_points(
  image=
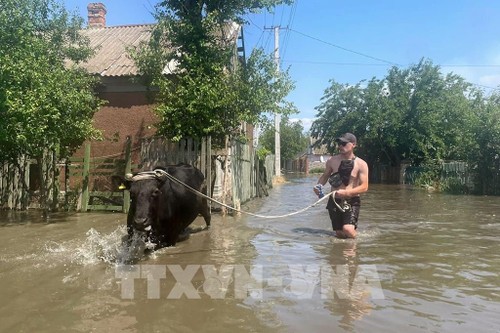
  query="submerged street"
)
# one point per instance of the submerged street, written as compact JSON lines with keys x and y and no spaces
{"x":422,"y":262}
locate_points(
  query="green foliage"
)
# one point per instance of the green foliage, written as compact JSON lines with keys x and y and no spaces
{"x":453,"y":186}
{"x":341,"y":110}
{"x":421,"y":176}
{"x":484,"y":152}
{"x":208,"y":92}
{"x":413,"y":114}
{"x":262,"y":152}
{"x":317,"y":170}
{"x":292,"y":139}
{"x":43,"y":103}
{"x":419,"y":115}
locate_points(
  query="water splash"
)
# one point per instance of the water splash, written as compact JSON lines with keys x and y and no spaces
{"x":98,"y":247}
{"x":113,"y":248}
{"x":134,"y":249}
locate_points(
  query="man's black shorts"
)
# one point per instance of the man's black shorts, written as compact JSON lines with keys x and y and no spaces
{"x":339,"y":218}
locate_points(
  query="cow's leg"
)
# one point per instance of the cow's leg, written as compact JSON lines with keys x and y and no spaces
{"x":130,"y":232}
{"x":184,"y":235}
{"x":205,"y":210}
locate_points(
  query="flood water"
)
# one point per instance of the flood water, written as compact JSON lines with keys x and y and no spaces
{"x":423,"y":262}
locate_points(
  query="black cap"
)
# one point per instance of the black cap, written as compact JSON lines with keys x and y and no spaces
{"x":347,"y":137}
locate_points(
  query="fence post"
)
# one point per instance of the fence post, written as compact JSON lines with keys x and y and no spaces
{"x":26,"y":185}
{"x":128,"y":169}
{"x":203,"y":157}
{"x":86,"y":169}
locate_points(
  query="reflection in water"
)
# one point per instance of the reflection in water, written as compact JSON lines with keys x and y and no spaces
{"x":353,"y":297}
{"x":434,"y":256}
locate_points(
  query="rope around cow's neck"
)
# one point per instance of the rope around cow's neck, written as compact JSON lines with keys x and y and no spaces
{"x":160,"y":172}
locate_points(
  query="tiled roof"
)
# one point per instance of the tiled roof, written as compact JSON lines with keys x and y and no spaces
{"x":111,"y":44}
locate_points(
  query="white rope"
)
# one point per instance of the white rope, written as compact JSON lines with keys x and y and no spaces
{"x":169,"y":176}
{"x":142,"y":176}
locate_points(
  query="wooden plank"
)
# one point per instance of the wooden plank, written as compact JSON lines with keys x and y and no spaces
{"x":105,"y":207}
{"x":105,"y":194}
{"x":188,"y":157}
{"x":85,"y":187}
{"x":128,"y":169}
{"x":209,"y":170}
{"x":107,"y":167}
{"x":203,"y":164}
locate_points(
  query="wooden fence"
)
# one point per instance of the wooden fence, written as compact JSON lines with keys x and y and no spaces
{"x":14,"y":184}
{"x":98,"y":192}
{"x":89,"y":181}
{"x":85,"y":183}
{"x":157,"y":152}
{"x":250,"y":177}
{"x":246,"y":177}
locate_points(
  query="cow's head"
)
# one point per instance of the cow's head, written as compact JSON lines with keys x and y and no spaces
{"x":145,"y":192}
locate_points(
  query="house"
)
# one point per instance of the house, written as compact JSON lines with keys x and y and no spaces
{"x":127,"y":117}
{"x":312,"y":160}
{"x":128,"y":112}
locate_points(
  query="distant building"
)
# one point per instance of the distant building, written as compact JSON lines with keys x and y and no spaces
{"x":313,"y":159}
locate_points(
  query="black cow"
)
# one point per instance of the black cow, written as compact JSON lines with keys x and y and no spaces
{"x":164,"y":208}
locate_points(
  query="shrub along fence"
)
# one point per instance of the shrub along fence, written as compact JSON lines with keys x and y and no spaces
{"x":455,"y":177}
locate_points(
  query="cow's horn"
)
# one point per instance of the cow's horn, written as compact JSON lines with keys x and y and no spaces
{"x":129,"y":176}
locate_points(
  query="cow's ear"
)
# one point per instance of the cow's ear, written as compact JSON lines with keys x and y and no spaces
{"x":120,"y":182}
{"x":125,"y":185}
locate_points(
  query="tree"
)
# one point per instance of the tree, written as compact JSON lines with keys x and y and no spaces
{"x":293,"y":139}
{"x":46,"y":101}
{"x":420,"y":115}
{"x":434,"y":113}
{"x":208,"y":93}
{"x":414,"y":114}
{"x":484,"y":153}
{"x":341,"y":110}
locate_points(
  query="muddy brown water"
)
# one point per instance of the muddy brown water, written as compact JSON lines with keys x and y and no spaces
{"x":422,"y":263}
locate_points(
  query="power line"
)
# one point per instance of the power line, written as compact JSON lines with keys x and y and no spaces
{"x":483,"y":86}
{"x":345,"y":49}
{"x":291,"y":18}
{"x":336,"y":63}
{"x":385,"y":62}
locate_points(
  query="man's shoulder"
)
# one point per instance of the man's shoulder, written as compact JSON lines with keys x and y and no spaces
{"x":335,"y":157}
{"x":361,"y":162}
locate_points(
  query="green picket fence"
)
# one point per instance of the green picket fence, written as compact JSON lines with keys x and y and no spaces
{"x":94,"y":175}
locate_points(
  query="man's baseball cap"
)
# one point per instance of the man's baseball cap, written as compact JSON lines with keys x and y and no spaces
{"x":347,"y":137}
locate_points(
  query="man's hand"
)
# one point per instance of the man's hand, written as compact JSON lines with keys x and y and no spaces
{"x":342,"y":193}
{"x":318,"y":189}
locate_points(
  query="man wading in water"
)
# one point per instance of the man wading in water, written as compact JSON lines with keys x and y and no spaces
{"x":348,"y":175}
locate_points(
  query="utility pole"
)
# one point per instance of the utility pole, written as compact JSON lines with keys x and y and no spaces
{"x":277,"y":117}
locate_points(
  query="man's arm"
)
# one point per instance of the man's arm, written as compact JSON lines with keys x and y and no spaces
{"x":328,"y":171}
{"x":324,"y":177}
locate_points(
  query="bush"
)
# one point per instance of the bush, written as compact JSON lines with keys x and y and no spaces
{"x":317,"y":170}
